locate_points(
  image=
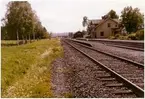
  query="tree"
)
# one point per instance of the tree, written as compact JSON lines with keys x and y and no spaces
{"x":18,"y":19}
{"x":21,"y":22}
{"x":132,"y":19}
{"x":85,"y":22}
{"x":4,"y":35}
{"x":111,"y":14}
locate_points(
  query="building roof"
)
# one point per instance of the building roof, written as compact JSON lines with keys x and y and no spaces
{"x":94,"y":21}
{"x":101,"y":21}
{"x":98,"y":21}
{"x":117,"y":20}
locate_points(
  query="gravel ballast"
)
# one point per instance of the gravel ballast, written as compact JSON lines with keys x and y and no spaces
{"x":117,"y":65}
{"x":74,"y":75}
{"x":137,"y":56}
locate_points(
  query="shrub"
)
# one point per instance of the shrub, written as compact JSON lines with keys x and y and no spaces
{"x":112,"y":37}
{"x":123,"y":37}
{"x":124,"y":34}
{"x":117,"y":36}
{"x":132,"y":36}
{"x":140,"y":34}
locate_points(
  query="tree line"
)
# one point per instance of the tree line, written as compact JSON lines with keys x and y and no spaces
{"x":22,"y":23}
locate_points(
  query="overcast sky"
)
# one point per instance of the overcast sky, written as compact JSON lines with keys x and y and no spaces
{"x":66,"y":15}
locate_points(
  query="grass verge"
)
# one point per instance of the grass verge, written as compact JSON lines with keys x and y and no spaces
{"x":26,"y":69}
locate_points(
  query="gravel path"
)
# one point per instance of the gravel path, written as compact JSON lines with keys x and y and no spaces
{"x":76,"y":76}
{"x":137,"y":56}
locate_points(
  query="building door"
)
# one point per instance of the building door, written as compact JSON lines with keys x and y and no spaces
{"x":95,"y":35}
{"x":101,"y":33}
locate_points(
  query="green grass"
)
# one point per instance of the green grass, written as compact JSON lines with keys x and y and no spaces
{"x":26,"y":69}
{"x":8,"y":42}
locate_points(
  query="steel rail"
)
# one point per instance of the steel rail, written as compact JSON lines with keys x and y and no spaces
{"x":137,"y":90}
{"x":126,"y":47}
{"x":115,"y":56}
{"x":114,"y":45}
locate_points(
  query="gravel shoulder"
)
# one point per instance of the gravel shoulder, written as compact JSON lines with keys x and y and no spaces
{"x":59,"y":84}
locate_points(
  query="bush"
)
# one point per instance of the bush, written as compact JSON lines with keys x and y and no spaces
{"x":111,"y":37}
{"x":123,"y":37}
{"x":132,"y":36}
{"x":140,"y":35}
{"x":117,"y":36}
{"x":124,"y":34}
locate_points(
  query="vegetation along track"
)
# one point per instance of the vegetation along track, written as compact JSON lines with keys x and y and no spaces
{"x":131,"y":75}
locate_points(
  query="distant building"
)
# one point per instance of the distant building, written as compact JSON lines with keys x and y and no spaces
{"x":103,"y":28}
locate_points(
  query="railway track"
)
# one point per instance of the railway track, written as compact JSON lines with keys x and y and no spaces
{"x":84,"y":44}
{"x":117,"y":44}
{"x":127,"y":74}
